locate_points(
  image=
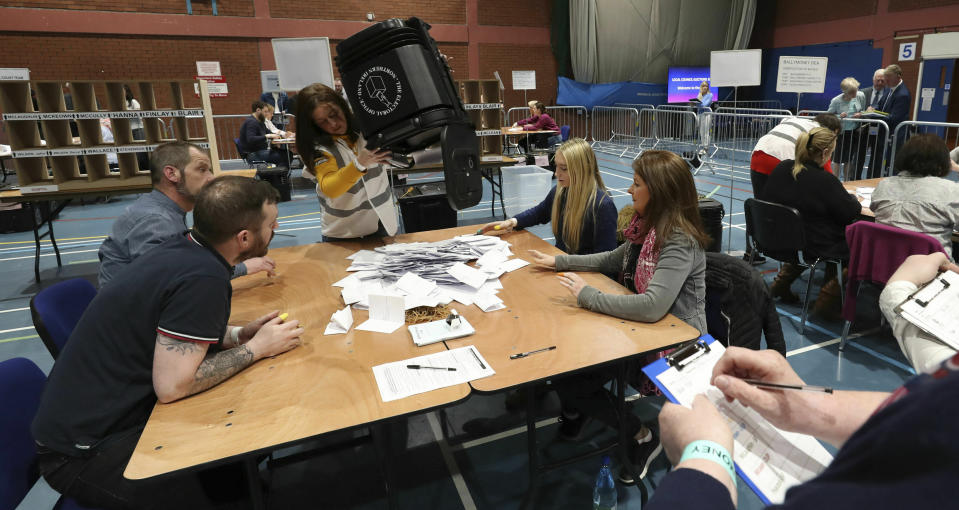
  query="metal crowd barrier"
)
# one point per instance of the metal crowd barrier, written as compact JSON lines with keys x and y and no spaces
{"x":614,"y":130}
{"x":948,"y":131}
{"x":226,"y":128}
{"x":868,"y":139}
{"x":730,"y":140}
{"x":762,"y":104}
{"x":676,"y":131}
{"x":810,"y":113}
{"x":754,"y":111}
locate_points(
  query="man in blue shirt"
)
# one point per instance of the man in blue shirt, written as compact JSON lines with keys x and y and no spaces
{"x":254,"y":140}
{"x":178,"y":170}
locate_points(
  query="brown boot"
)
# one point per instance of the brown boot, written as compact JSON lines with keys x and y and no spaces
{"x":828,"y":303}
{"x":780,"y":286}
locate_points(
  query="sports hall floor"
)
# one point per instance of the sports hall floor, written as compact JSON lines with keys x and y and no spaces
{"x":484,"y":463}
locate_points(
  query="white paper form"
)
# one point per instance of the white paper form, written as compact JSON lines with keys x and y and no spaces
{"x":512,"y":265}
{"x":396,"y":381}
{"x":488,"y":302}
{"x":773,"y":459}
{"x":386,"y":314}
{"x":932,"y":308}
{"x":414,"y":285}
{"x":466,"y":274}
{"x":340,"y":322}
{"x":492,"y":258}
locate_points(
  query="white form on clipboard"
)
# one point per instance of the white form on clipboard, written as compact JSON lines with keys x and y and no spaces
{"x":768,"y":459}
{"x":933,"y":308}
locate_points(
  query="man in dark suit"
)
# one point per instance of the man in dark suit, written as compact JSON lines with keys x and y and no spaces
{"x":869,"y":133}
{"x":895,"y":101}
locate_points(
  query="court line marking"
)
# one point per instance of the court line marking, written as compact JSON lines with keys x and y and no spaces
{"x":2,"y":331}
{"x":15,"y":309}
{"x":18,"y":338}
{"x":65,"y":253}
{"x":502,"y":435}
{"x":455,"y":475}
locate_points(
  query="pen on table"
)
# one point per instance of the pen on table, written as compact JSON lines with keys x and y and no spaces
{"x":426,"y":367}
{"x":777,"y":386}
{"x":524,"y":354}
{"x":473,"y":351}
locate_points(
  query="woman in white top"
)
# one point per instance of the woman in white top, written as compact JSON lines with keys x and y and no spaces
{"x":845,"y":106}
{"x":351,"y":182}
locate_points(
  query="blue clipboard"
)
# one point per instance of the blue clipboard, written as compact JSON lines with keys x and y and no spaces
{"x":683,"y":358}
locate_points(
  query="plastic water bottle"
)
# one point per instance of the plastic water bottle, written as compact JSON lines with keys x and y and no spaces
{"x":604,"y":493}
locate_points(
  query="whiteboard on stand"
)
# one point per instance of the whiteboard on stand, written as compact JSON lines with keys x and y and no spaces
{"x":802,"y":74}
{"x":735,"y":68}
{"x":524,"y":80}
{"x":303,"y":61}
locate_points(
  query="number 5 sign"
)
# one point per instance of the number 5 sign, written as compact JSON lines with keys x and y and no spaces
{"x":907,"y":51}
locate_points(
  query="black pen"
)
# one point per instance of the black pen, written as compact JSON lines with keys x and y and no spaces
{"x":478,"y":359}
{"x":777,"y":386}
{"x":524,"y":354}
{"x":427,"y":367}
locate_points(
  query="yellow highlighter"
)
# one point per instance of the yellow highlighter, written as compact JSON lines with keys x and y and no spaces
{"x":283,"y":316}
{"x":497,"y":227}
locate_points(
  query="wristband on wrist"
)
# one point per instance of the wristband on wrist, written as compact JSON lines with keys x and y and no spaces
{"x":235,"y":335}
{"x":709,"y":450}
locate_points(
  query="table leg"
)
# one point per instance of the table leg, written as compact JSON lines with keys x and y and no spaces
{"x":53,"y":238}
{"x":529,"y":501}
{"x":251,"y":466}
{"x":36,"y":239}
{"x":621,"y":378}
{"x":383,"y":444}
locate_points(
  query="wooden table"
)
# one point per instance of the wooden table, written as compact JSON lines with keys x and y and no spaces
{"x":541,"y":313}
{"x":139,"y":184}
{"x":327,"y":384}
{"x":324,"y":385}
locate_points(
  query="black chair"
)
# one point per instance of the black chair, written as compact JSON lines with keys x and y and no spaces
{"x":777,"y":231}
{"x":246,"y":156}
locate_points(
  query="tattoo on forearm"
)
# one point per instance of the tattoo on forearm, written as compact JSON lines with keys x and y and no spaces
{"x":178,"y":346}
{"x":217,"y":367}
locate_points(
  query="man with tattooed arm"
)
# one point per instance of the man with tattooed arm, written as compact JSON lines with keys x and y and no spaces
{"x":157,"y":332}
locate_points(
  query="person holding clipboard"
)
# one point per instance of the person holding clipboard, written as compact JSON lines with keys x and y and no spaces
{"x":896,"y":450}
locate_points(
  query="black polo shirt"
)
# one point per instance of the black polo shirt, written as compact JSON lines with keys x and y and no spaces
{"x":102,"y":383}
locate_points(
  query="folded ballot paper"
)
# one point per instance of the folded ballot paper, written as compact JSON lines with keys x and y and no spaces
{"x":340,"y":322}
{"x":427,"y":274}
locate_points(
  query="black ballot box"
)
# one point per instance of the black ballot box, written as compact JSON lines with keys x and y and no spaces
{"x":279,"y":178}
{"x":712,"y":213}
{"x":425,"y":207}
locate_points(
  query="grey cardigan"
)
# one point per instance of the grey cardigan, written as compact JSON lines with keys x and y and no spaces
{"x":678,"y":285}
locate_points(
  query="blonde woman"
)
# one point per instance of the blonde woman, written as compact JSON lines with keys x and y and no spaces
{"x":826,"y":209}
{"x":581,"y":211}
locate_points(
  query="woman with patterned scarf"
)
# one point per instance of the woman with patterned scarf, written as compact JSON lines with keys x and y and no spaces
{"x":664,"y":263}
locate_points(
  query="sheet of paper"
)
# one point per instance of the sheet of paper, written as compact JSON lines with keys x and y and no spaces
{"x":466,"y":274}
{"x":512,"y":265}
{"x":396,"y":381}
{"x":773,"y":459}
{"x":491,"y":258}
{"x":340,"y":322}
{"x":415,"y":286}
{"x":352,"y":294}
{"x":349,"y":281}
{"x":488,"y":302}
{"x":387,"y":314}
{"x":937,"y":317}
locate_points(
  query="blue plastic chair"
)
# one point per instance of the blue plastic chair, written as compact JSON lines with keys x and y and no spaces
{"x":21,"y":385}
{"x":57,"y":309}
{"x":564,"y":132}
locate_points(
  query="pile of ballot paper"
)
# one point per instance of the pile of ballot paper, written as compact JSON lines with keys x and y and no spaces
{"x":394,"y":278}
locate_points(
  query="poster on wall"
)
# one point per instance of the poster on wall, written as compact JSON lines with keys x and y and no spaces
{"x":524,"y":80}
{"x":208,"y":69}
{"x":270,"y":81}
{"x":14,"y":74}
{"x":802,"y":74}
